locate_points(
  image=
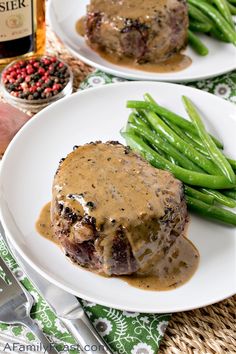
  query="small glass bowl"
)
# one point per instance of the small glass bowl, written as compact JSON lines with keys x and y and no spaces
{"x":35,"y":105}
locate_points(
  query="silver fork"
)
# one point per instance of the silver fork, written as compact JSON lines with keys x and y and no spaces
{"x":15,"y":307}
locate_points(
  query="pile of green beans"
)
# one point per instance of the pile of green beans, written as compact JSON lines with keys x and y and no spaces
{"x":211,"y":17}
{"x":185,"y":148}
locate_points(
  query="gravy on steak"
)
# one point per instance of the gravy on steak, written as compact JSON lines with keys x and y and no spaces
{"x":175,"y":269}
{"x":115,"y":214}
{"x":143,"y":35}
{"x":177,"y":62}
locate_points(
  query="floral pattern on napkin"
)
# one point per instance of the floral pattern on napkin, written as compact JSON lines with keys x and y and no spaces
{"x":126,"y":332}
{"x":223,"y":86}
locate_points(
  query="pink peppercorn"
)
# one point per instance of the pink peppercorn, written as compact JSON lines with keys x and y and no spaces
{"x":36,"y":78}
{"x":56,"y":87}
{"x":30,"y":71}
{"x":28,"y":78}
{"x":33,"y":89}
{"x":41,"y":71}
{"x":13,"y":74}
{"x":46,"y":61}
{"x":48,"y":90}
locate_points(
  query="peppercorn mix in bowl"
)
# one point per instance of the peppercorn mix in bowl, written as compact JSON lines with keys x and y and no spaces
{"x":35,"y":83}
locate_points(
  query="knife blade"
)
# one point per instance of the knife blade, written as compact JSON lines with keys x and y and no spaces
{"x":66,"y":306}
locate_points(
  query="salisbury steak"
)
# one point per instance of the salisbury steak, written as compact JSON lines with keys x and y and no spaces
{"x":113,"y":212}
{"x":145,"y":30}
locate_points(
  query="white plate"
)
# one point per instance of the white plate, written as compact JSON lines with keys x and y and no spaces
{"x":26,"y":177}
{"x":64,"y":14}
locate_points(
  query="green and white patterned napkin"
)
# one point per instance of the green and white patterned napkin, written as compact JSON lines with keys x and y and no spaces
{"x":126,"y":332}
{"x":223,"y":86}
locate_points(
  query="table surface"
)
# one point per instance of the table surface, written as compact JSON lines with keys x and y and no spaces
{"x":207,"y":330}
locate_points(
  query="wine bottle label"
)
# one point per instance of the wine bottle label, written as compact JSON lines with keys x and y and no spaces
{"x":16,"y":19}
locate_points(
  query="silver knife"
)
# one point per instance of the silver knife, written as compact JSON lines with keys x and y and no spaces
{"x":66,"y":306}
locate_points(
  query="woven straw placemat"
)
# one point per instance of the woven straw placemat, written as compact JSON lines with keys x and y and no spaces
{"x":208,"y":330}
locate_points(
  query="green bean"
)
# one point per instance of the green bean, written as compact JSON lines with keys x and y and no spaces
{"x":214,"y":32}
{"x":199,"y":146}
{"x":130,"y":120}
{"x":202,"y":149}
{"x":142,"y":116}
{"x":199,"y":26}
{"x":196,"y":141}
{"x":189,"y":138}
{"x":232,"y":163}
{"x":131,"y":117}
{"x":230,"y":193}
{"x":137,"y":124}
{"x":160,"y":152}
{"x":211,"y":211}
{"x":232,"y":8}
{"x":194,"y":167}
{"x":186,"y":135}
{"x":191,"y":192}
{"x":177,"y":130}
{"x":198,"y":15}
{"x":173,"y":117}
{"x":217,"y":157}
{"x":218,"y":19}
{"x":180,"y":144}
{"x":172,"y":160}
{"x":163,"y":145}
{"x":223,"y":7}
{"x":197,"y":44}
{"x":186,"y":176}
{"x":173,"y":126}
{"x":220,"y":197}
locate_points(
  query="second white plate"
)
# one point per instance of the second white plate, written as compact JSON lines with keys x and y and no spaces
{"x":64,"y":14}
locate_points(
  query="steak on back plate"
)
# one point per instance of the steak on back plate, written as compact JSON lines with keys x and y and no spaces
{"x":145,"y":30}
{"x":112,"y":211}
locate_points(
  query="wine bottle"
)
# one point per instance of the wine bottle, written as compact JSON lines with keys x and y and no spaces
{"x":22,"y":29}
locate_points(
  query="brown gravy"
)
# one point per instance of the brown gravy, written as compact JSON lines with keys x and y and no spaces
{"x":80,"y":26}
{"x":176,"y":63}
{"x":172,"y":271}
{"x":43,"y":224}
